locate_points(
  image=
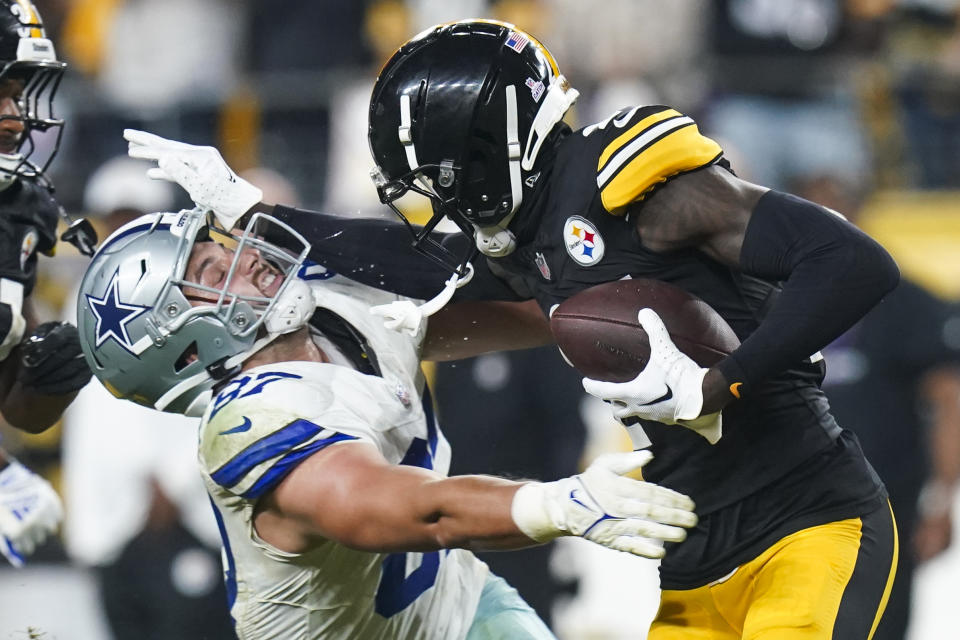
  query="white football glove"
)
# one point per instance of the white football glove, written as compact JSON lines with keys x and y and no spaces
{"x":668,"y":390}
{"x":202,"y":173}
{"x":30,"y":510}
{"x":605,"y":507}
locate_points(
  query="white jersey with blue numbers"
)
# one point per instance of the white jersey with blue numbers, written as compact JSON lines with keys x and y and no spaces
{"x":270,"y":418}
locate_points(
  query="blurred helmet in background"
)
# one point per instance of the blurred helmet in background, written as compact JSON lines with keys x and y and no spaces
{"x":29,"y":58}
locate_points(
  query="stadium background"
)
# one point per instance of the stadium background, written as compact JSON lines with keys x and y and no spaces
{"x":855,"y":103}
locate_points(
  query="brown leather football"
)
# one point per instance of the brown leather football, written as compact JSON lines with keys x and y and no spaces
{"x":598,"y":332}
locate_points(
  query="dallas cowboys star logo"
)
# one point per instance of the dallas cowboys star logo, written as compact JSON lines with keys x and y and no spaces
{"x":113,"y":316}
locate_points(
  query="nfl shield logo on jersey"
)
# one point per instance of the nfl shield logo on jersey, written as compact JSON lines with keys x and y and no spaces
{"x":541,"y":263}
{"x":583,"y":241}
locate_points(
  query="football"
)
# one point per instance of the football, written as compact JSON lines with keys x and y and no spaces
{"x":598,"y":332}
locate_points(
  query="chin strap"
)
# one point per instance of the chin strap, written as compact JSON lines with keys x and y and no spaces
{"x":497,"y":241}
{"x":406,"y":317}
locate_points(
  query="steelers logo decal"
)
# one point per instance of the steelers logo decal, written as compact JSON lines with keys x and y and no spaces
{"x":583,"y":241}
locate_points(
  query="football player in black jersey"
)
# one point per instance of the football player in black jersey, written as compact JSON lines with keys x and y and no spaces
{"x":796,"y":537}
{"x":41,"y":367}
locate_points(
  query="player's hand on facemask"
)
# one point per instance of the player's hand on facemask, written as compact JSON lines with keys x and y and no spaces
{"x":606,"y":507}
{"x":202,"y":173}
{"x":668,"y":390}
{"x":51,"y":360}
{"x":30,"y":510}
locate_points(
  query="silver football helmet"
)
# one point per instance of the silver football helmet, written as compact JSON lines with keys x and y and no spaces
{"x":147,"y":342}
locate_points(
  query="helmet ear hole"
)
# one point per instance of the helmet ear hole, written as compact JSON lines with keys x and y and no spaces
{"x":188,"y":356}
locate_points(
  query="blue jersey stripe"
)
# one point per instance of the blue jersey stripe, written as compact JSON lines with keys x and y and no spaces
{"x":286,"y":464}
{"x":420,"y":453}
{"x":230,"y":571}
{"x":262,"y":450}
{"x":431,"y":419}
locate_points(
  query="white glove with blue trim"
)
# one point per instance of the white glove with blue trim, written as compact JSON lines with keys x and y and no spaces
{"x":202,"y":173}
{"x":606,"y":507}
{"x":30,"y":510}
{"x":668,"y":390}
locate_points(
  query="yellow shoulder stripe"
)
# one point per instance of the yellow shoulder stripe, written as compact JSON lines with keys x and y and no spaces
{"x":673,"y":146}
{"x":632,"y":133}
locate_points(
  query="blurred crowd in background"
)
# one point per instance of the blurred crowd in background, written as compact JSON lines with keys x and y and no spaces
{"x":852,"y":103}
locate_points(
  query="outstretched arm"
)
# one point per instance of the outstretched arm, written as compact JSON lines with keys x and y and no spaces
{"x":832,"y":273}
{"x":350,"y":494}
{"x":42,"y":376}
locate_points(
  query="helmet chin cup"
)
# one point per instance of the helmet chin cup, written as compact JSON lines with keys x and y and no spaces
{"x":292,"y":310}
{"x":495,"y":242}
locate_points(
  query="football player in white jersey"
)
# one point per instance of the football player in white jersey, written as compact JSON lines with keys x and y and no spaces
{"x":318,"y":443}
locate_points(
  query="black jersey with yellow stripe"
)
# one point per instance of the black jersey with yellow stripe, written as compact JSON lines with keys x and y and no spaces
{"x":573,"y":233}
{"x":650,"y":145}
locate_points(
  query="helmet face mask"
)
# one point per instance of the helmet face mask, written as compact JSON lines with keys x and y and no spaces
{"x":28,"y":57}
{"x":142,"y":329}
{"x":459,"y":115}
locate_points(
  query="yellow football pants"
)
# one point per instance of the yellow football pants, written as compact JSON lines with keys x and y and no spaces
{"x":829,"y":582}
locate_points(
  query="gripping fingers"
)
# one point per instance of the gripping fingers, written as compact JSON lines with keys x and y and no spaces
{"x":623,"y":463}
{"x":656,"y":331}
{"x":680,"y":515}
{"x":641,"y":527}
{"x":606,"y":390}
{"x":637,"y":546}
{"x":672,"y":516}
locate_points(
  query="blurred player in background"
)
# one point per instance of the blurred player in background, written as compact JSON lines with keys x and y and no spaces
{"x":41,"y":367}
{"x":469,"y":115}
{"x":318,"y":443}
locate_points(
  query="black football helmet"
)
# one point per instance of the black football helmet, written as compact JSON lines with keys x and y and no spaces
{"x":459,"y":115}
{"x":27,"y":56}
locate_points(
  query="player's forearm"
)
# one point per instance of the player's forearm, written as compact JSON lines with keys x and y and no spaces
{"x":475,"y":513}
{"x":374,"y":251}
{"x":832,"y":274}
{"x":33,"y":412}
{"x":467,"y":329}
{"x":460,"y":512}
